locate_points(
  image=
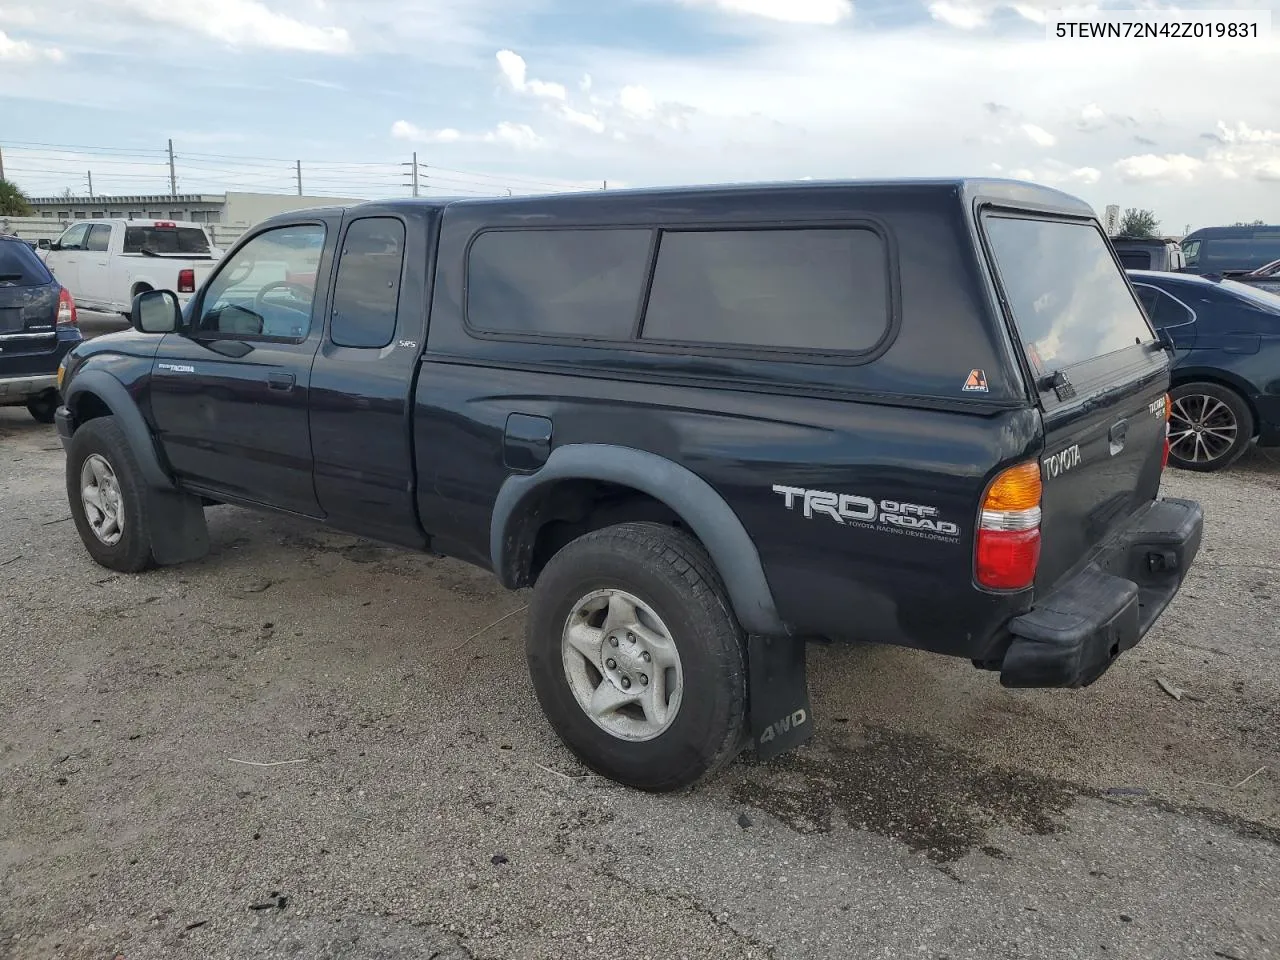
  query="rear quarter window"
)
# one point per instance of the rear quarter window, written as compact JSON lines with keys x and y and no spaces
{"x":20,"y":267}
{"x":1070,"y":301}
{"x":798,"y":289}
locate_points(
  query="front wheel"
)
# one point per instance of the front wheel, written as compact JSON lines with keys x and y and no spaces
{"x":107,"y":497}
{"x":636,"y":658}
{"x":1210,"y":426}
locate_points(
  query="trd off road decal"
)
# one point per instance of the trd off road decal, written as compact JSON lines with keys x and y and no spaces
{"x":888,"y":516}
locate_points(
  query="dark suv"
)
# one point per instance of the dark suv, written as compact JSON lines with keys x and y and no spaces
{"x":704,"y":425}
{"x":37,"y":329}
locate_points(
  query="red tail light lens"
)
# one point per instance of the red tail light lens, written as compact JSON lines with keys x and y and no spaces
{"x":186,"y":281}
{"x":1007,"y":560}
{"x":1007,"y":551}
{"x":67,"y":316}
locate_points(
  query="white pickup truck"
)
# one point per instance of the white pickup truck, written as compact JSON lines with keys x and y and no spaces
{"x":106,"y":263}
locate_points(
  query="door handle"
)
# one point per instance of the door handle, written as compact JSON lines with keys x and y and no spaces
{"x":1119,"y":431}
{"x":280,"y":381}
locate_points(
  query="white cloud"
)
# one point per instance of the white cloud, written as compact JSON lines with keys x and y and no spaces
{"x":518,"y":135}
{"x":239,"y":23}
{"x":1038,"y":135}
{"x":588,"y":121}
{"x":1170,"y":168}
{"x":638,"y":102}
{"x":516,"y":72}
{"x":818,"y":12}
{"x":1243,"y":133}
{"x":1268,"y":170}
{"x":964,"y":16}
{"x":22,"y":51}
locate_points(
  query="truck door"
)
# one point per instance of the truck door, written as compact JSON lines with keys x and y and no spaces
{"x":63,"y":260}
{"x":95,"y":267}
{"x":363,"y":378}
{"x":229,"y":393}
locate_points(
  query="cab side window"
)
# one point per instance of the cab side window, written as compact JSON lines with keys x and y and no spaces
{"x":267,"y":288}
{"x":99,"y":238}
{"x":74,"y":238}
{"x":368,"y":288}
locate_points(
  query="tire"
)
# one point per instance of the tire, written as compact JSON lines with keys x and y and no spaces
{"x":680,"y":596}
{"x":1225,"y":425}
{"x":43,"y":406}
{"x":102,"y":441}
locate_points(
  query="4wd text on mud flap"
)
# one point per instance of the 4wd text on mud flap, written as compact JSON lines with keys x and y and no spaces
{"x":789,"y":722}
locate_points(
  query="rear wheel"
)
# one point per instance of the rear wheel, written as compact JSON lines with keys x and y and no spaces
{"x":636,"y":657}
{"x":1210,"y":426}
{"x":107,"y":497}
{"x":43,"y":406}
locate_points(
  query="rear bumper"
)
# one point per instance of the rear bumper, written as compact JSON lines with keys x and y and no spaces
{"x":20,"y":389}
{"x":1072,"y":636}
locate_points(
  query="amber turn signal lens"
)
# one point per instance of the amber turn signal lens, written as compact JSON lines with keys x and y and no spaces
{"x":1017,"y":488}
{"x":1168,"y":407}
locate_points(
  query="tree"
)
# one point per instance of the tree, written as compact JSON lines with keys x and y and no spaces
{"x":1138,"y":223}
{"x":13,"y":202}
{"x":1251,"y":223}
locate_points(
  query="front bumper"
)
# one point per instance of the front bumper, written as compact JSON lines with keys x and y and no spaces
{"x":66,"y":428}
{"x":21,"y":389}
{"x":1070,"y":638}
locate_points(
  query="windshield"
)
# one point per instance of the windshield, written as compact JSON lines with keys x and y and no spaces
{"x":1217,"y":255}
{"x":1259,"y":298}
{"x":165,"y":240}
{"x":1069,"y":298}
{"x":20,"y":267}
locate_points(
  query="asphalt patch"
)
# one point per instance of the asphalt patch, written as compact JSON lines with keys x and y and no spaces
{"x":934,"y":799}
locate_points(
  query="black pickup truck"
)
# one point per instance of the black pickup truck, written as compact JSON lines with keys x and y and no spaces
{"x":705,"y":425}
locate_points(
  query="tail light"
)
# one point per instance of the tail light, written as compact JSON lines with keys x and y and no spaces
{"x":1008,"y":547}
{"x":1168,"y":412}
{"x":67,"y":316}
{"x":186,"y":281}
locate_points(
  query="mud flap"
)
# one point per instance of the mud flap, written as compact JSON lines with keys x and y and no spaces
{"x":178,"y":530}
{"x":781,"y":718}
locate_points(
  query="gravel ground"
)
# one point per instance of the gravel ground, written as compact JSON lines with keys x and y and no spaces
{"x":420,"y":806}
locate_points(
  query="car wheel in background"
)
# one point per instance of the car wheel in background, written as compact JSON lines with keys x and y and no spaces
{"x":43,"y":406}
{"x":1210,"y":426}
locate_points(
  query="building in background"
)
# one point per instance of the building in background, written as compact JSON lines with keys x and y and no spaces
{"x":228,"y":214}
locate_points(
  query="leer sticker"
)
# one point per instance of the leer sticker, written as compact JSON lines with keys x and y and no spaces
{"x":976,"y":383}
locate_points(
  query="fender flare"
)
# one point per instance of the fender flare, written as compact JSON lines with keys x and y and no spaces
{"x":113,"y":393}
{"x":692,"y":498}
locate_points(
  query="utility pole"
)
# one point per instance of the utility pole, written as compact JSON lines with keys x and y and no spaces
{"x":89,"y":176}
{"x":606,"y":185}
{"x":413,"y":176}
{"x":299,"y":178}
{"x":173,"y":173}
{"x":1,"y":164}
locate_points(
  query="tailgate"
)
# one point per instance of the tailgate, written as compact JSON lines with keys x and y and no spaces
{"x":1101,"y":379}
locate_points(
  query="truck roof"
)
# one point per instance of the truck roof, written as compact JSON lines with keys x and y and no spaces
{"x":143,"y":222}
{"x":1015,"y":193}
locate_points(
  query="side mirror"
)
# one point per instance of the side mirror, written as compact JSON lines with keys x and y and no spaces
{"x":44,"y":243}
{"x":156,"y":311}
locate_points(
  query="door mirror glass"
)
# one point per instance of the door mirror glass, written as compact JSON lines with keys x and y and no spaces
{"x":156,"y":311}
{"x":44,"y":243}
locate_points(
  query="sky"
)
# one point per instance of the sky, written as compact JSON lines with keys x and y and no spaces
{"x":521,"y":96}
